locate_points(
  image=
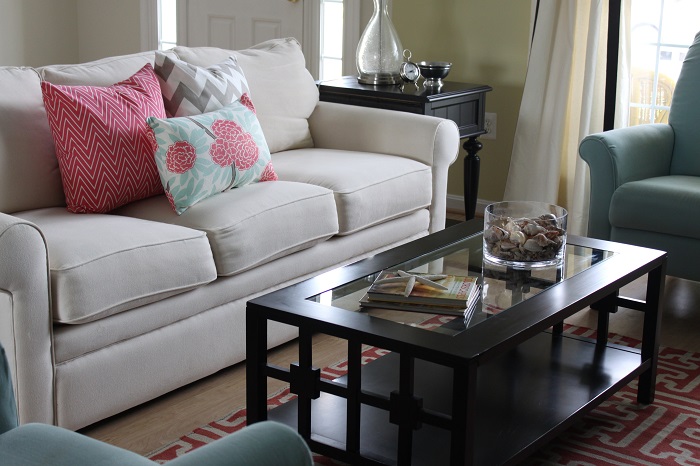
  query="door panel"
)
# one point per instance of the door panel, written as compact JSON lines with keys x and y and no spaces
{"x":239,"y":24}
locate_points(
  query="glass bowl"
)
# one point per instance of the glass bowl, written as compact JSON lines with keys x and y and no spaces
{"x":524,"y":234}
{"x":434,"y":71}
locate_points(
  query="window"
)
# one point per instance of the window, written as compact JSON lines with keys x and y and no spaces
{"x":661,"y":32}
{"x":331,"y":47}
{"x":167,"y":24}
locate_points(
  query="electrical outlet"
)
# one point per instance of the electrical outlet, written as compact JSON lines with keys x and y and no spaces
{"x":490,"y":121}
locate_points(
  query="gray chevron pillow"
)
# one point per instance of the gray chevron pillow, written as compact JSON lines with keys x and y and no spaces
{"x":191,"y":90}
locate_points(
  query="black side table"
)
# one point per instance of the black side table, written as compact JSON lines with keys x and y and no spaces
{"x":462,"y":103}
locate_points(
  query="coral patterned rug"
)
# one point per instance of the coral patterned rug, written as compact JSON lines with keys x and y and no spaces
{"x":617,"y":432}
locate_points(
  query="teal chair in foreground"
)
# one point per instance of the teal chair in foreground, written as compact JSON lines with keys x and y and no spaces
{"x":265,"y":443}
{"x":645,"y":180}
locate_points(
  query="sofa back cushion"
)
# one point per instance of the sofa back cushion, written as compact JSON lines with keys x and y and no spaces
{"x":685,"y":115}
{"x":29,"y":175}
{"x":282,"y":89}
{"x":104,"y":72}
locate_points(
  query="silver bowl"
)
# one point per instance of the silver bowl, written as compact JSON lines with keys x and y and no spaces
{"x":434,"y":71}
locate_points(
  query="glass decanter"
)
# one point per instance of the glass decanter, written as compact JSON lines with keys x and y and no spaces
{"x":379,"y":53}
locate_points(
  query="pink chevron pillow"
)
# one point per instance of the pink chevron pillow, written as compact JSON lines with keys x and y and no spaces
{"x":104,"y":146}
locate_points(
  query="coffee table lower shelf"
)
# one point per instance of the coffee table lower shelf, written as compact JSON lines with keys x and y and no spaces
{"x":525,"y":397}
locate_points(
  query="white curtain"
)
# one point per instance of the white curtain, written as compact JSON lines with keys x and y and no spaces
{"x":563,"y":101}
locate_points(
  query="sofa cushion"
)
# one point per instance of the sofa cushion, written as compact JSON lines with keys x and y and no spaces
{"x":104,"y":264}
{"x":368,"y":188}
{"x":191,"y":90}
{"x":283,"y":90}
{"x":29,"y":176}
{"x":103,"y":143}
{"x":665,"y":204}
{"x":254,"y":224}
{"x":103,"y":72}
{"x":203,"y":155}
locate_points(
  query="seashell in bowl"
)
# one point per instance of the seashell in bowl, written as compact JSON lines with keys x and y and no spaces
{"x":524,"y":234}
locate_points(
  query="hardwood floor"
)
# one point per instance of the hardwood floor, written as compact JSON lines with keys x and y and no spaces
{"x":159,"y":422}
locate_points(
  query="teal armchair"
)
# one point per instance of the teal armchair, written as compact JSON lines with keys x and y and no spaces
{"x":645,"y":180}
{"x":265,"y":443}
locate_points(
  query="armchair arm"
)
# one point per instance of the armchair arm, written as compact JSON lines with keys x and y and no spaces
{"x":426,"y":139}
{"x":261,"y":443}
{"x":619,"y":156}
{"x":25,"y":317}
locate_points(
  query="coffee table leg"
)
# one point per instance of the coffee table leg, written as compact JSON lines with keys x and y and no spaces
{"x":463,"y":415}
{"x":354,"y":407}
{"x":256,"y":355}
{"x":651,"y":333}
{"x":605,"y":307}
{"x":405,"y":408}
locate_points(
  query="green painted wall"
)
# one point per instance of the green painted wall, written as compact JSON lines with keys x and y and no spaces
{"x":487,"y":43}
{"x":38,"y":32}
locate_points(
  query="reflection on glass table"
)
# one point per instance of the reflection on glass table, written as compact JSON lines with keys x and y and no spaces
{"x":502,"y":287}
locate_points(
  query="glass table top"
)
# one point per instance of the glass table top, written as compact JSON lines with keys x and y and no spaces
{"x":501,"y":287}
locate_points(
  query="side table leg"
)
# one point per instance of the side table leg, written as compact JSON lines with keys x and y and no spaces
{"x":472,"y":165}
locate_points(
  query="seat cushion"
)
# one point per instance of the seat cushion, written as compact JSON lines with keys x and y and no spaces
{"x":104,"y":264}
{"x":666,"y":204}
{"x":253,"y":224}
{"x":368,"y":188}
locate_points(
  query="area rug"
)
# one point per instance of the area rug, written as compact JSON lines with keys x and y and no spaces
{"x":617,"y":432}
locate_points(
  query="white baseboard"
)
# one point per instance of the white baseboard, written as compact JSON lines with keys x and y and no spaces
{"x":456,"y":204}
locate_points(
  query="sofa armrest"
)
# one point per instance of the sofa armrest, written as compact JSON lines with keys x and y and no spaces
{"x":25,"y":317}
{"x":430,"y":140}
{"x":619,"y":156}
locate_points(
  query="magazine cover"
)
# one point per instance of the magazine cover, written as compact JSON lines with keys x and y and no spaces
{"x":456,"y":293}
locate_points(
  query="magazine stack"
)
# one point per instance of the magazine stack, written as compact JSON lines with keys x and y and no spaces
{"x":419,"y":292}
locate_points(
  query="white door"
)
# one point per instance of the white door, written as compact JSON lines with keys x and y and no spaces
{"x":239,"y":24}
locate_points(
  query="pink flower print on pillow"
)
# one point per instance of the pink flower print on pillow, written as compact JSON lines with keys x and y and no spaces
{"x":233,"y":142}
{"x":269,"y":173}
{"x":246,"y":150}
{"x":226,"y":129}
{"x":180,"y":157}
{"x":245,"y":100}
{"x":222,"y":152}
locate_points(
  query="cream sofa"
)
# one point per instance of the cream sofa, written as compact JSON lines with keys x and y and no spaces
{"x":102,"y":312}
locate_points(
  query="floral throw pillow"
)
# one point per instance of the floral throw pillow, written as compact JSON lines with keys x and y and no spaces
{"x":203,"y":155}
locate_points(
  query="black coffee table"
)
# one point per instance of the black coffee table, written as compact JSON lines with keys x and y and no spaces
{"x":488,"y":391}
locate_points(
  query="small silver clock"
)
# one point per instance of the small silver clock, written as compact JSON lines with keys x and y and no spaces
{"x":408,"y":70}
